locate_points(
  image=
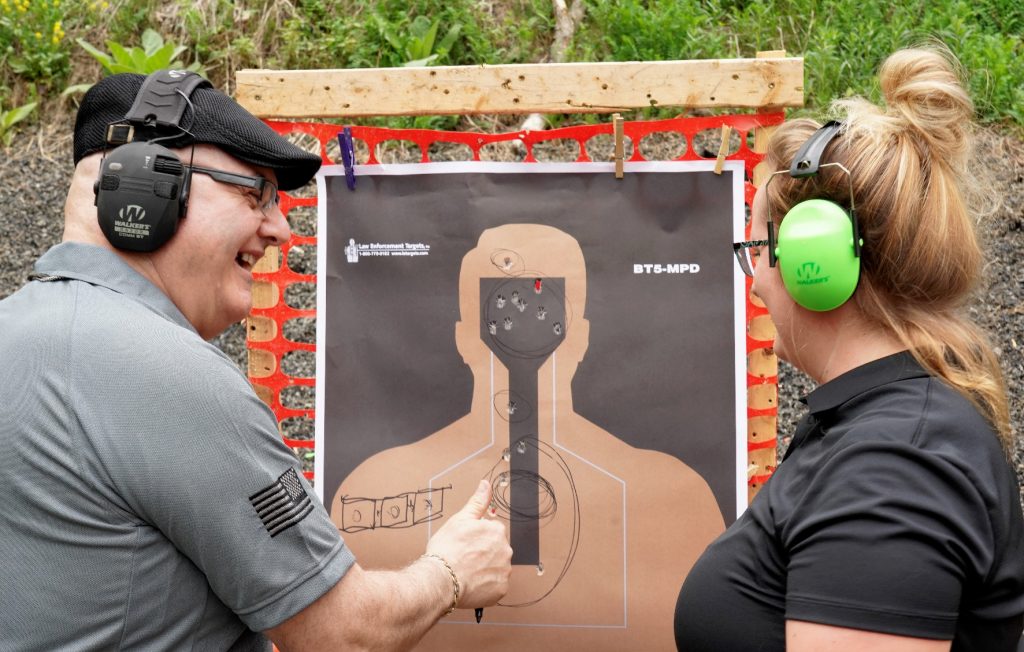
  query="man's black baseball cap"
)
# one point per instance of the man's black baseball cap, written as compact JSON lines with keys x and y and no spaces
{"x":214,"y":118}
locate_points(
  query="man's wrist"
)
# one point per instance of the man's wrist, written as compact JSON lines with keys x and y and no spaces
{"x":456,"y":587}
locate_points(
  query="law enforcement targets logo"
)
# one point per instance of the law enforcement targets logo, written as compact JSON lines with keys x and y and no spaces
{"x":282,"y":504}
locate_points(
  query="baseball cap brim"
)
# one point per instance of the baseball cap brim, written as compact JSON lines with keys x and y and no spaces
{"x":214,"y":118}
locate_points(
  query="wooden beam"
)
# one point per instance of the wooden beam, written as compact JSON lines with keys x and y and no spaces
{"x":525,"y":88}
{"x":763,"y":134}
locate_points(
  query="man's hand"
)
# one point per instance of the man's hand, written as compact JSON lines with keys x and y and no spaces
{"x":392,"y":610}
{"x":477,"y":549}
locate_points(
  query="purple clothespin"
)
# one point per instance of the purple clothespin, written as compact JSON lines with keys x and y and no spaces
{"x":348,"y":157}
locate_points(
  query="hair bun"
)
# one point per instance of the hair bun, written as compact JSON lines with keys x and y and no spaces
{"x":922,"y":87}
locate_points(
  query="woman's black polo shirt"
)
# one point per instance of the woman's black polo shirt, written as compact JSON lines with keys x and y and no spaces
{"x":895,"y":510}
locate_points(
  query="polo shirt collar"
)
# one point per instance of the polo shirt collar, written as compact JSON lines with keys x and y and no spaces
{"x":104,"y":268}
{"x":892,"y":368}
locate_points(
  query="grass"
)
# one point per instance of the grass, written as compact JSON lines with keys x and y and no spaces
{"x":842,"y":41}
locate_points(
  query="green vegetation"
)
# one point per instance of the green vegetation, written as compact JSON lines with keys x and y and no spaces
{"x":152,"y":56}
{"x":842,"y":41}
{"x":12,"y":117}
{"x":46,"y":45}
{"x":31,"y":35}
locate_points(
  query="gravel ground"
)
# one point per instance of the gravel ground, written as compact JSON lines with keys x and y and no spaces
{"x":35,"y":180}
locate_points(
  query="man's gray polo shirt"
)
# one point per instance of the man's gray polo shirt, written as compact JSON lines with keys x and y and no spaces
{"x":148,"y":501}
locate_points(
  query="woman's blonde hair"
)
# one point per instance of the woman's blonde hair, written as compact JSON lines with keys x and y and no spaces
{"x":918,"y":197}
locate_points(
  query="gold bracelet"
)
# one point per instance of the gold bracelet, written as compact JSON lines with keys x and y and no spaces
{"x":455,"y":580}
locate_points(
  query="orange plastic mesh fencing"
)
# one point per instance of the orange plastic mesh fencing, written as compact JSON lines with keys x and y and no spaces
{"x":695,"y":139}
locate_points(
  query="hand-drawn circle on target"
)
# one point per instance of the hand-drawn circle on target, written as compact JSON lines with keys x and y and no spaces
{"x":512,"y":406}
{"x":525,"y":316}
{"x":508,"y":261}
{"x":503,"y":482}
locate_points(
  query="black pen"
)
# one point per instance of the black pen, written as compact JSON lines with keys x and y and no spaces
{"x":479,"y":613}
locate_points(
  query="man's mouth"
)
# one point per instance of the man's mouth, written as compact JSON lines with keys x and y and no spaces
{"x":246,"y":261}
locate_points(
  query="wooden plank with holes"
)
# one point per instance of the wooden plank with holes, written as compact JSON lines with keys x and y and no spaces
{"x":522,"y":88}
{"x":762,"y":328}
{"x":764,"y":134}
{"x":260,"y":329}
{"x":762,"y":397}
{"x":261,"y":363}
{"x":764,"y":459}
{"x":270,"y":262}
{"x":264,"y":294}
{"x":761,"y":429}
{"x":763,"y":362}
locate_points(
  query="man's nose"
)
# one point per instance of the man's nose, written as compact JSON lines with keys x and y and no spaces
{"x":275,"y":227}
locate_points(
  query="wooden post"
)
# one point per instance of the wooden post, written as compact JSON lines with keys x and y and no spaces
{"x":618,"y":128}
{"x":763,"y":459}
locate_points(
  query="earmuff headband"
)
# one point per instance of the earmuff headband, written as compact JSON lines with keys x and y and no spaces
{"x":163,"y":98}
{"x":808,"y":157}
{"x":143,"y":188}
{"x":159,"y":107}
{"x":852,"y":211}
{"x":817,"y":245}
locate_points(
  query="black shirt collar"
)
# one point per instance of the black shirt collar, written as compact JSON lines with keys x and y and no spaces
{"x":892,"y":368}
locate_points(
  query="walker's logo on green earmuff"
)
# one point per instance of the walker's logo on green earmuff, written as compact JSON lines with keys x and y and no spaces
{"x":816,"y":235}
{"x":810,"y":273}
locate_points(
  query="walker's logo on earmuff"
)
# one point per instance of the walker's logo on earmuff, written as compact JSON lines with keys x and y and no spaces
{"x":131,"y":226}
{"x":809,"y":274}
{"x":132,"y":213}
{"x":142,"y":190}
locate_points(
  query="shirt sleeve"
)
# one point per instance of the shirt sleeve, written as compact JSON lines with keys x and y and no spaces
{"x":886,"y":539}
{"x":196,"y":454}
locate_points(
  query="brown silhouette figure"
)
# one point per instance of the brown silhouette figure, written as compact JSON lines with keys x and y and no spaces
{"x":603,"y":533}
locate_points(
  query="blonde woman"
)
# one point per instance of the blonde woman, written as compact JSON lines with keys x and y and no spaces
{"x":894,"y":521}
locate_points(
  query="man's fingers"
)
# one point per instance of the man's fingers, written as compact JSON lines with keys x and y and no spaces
{"x":477,"y":504}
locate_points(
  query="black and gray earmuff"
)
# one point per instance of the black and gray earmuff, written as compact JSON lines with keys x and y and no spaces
{"x":818,"y":245}
{"x":142,"y":190}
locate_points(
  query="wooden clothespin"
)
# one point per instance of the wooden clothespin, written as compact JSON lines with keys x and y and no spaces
{"x":723,"y":149}
{"x":617,"y":124}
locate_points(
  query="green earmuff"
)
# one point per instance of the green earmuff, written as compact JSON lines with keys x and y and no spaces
{"x":815,"y":255}
{"x":817,"y":248}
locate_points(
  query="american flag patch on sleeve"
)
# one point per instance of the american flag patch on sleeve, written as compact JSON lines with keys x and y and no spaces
{"x":282,"y":504}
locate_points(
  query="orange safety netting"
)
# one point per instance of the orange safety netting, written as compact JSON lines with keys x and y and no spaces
{"x":761,"y":378}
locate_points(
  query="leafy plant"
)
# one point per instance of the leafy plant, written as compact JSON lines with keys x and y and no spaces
{"x":12,"y":117}
{"x":154,"y":55}
{"x":32,"y":39}
{"x":418,"y":45}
